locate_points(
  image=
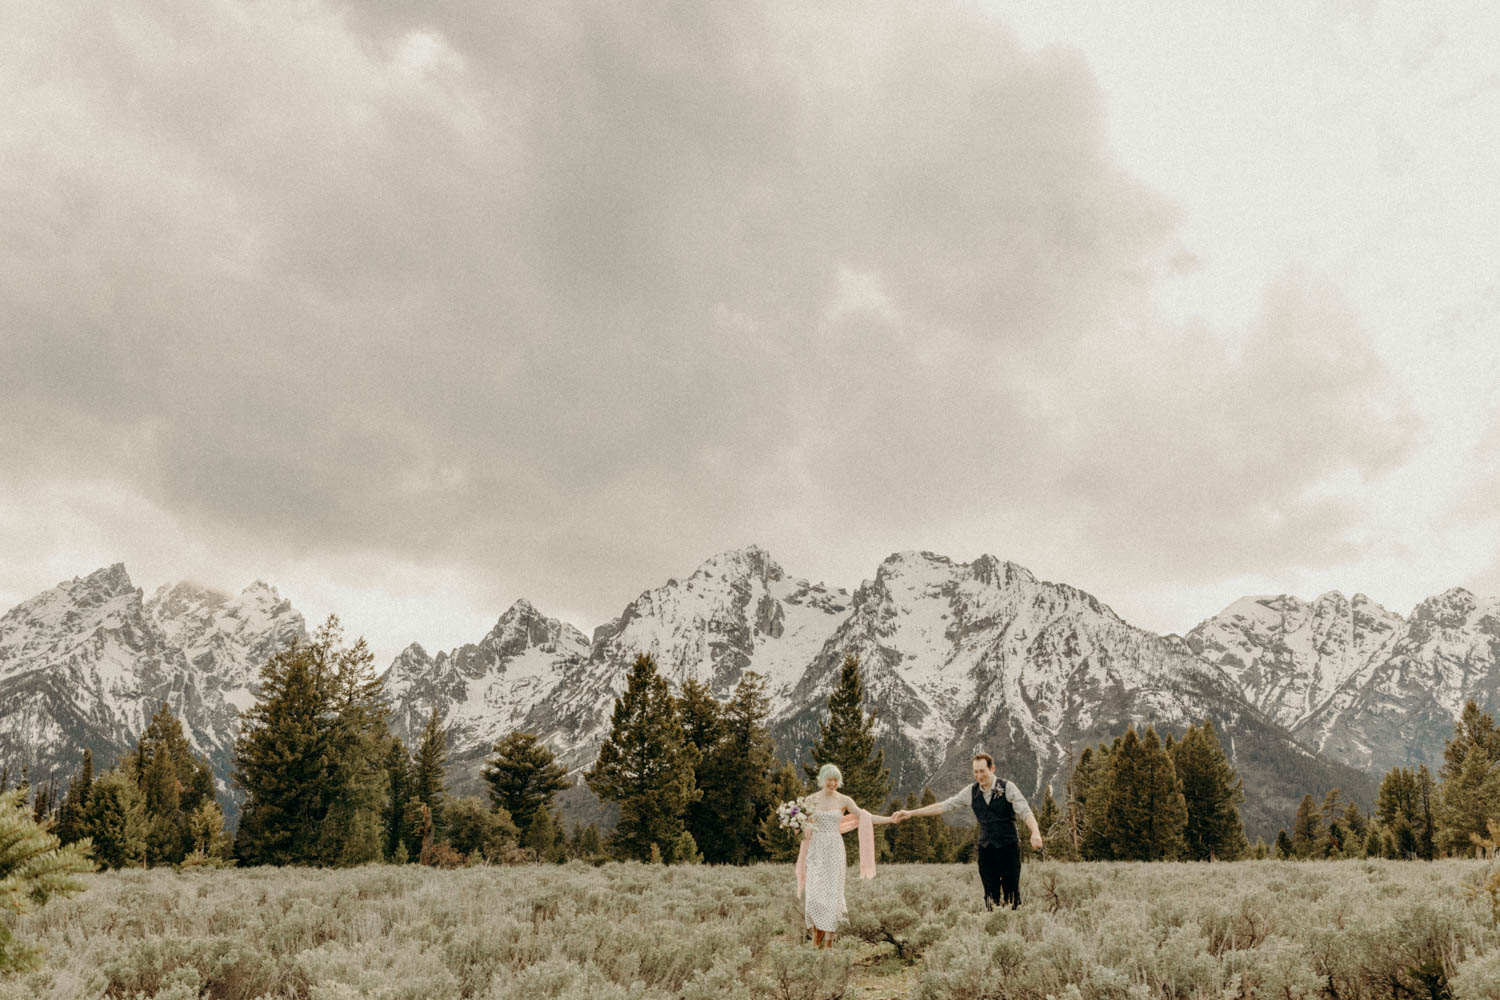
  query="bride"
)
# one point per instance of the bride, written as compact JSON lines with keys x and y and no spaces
{"x":822,"y":861}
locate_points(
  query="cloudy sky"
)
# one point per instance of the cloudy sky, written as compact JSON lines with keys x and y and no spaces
{"x":412,"y":310}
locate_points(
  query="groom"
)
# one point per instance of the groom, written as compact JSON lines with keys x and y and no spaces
{"x":996,"y":807}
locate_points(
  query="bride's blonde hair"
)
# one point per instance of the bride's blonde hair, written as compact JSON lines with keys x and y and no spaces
{"x":830,"y":771}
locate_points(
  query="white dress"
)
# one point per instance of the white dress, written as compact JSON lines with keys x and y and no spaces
{"x":823,"y":897}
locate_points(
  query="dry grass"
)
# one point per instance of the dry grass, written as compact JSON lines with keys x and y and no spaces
{"x":1324,"y":931}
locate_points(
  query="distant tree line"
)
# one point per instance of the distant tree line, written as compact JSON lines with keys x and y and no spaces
{"x":1416,"y":816}
{"x":1142,"y":798}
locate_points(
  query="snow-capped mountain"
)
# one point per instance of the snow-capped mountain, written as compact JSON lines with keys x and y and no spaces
{"x":1358,"y":683}
{"x":957,"y":657}
{"x":961,"y":657}
{"x":738,"y":611}
{"x":1289,"y":656}
{"x":483,"y":690}
{"x":88,"y":662}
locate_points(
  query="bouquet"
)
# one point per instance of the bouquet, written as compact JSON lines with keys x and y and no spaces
{"x":794,"y":816}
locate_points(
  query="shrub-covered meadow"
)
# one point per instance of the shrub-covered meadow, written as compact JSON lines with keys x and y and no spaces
{"x":1341,"y":931}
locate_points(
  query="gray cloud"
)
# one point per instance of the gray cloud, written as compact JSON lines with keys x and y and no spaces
{"x":572,"y":295}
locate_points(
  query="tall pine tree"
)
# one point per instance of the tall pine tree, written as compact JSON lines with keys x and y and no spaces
{"x":523,"y":776}
{"x":1469,"y":794}
{"x":847,"y":739}
{"x":174,"y":784}
{"x":735,"y":778}
{"x":427,"y":771}
{"x":398,"y":790}
{"x":702,"y":729}
{"x":1212,"y":793}
{"x":1146,"y":809}
{"x":117,"y":821}
{"x":1307,"y":829}
{"x":72,"y":820}
{"x":312,"y":757}
{"x":1092,"y":781}
{"x":646,"y":767}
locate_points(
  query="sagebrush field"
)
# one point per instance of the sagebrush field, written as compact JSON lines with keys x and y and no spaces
{"x":1334,"y":930}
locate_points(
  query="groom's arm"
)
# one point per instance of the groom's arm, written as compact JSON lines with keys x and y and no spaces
{"x":957,"y":801}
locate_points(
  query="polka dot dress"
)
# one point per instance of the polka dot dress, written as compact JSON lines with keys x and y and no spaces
{"x":823,"y":898}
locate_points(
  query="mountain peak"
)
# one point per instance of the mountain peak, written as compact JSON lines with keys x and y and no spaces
{"x":752,"y":560}
{"x":520,"y":608}
{"x":1000,"y":572}
{"x":259,"y":588}
{"x":1449,"y":608}
{"x":113,"y":580}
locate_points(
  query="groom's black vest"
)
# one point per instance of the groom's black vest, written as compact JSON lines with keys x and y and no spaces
{"x":997,"y":818}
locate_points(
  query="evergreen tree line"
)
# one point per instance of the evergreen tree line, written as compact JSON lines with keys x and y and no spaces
{"x":155,"y":806}
{"x":1141,"y":798}
{"x":1416,"y":815}
{"x":327,"y":783}
{"x":694,"y":780}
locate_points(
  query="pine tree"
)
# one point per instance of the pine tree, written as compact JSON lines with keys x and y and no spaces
{"x":427,"y":770}
{"x":1284,"y":849}
{"x":1398,"y":797}
{"x":1425,"y":822}
{"x":72,"y":820}
{"x":590,"y":845}
{"x":541,"y":835}
{"x":398,"y":784}
{"x":358,"y":737}
{"x":206,"y":832}
{"x":847,"y":739}
{"x":475,"y":830}
{"x":1212,"y":793}
{"x":1146,"y":808}
{"x":1057,"y":844}
{"x":911,"y":840}
{"x":1126,"y":820}
{"x":1092,"y":784}
{"x":684,"y":851}
{"x":1468,"y":802}
{"x":775,"y":843}
{"x":174,"y":783}
{"x":523,"y":776}
{"x":33,"y":868}
{"x":281,"y":760}
{"x":645,"y":766}
{"x":312,"y":756}
{"x":1335,"y":835}
{"x":939,"y":833}
{"x":702,"y":729}
{"x":1474,"y":728}
{"x":117,"y":821}
{"x":414,"y":818}
{"x":1355,"y":821}
{"x":735,"y":778}
{"x":1307,"y":829}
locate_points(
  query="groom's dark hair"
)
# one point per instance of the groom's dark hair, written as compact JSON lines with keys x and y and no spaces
{"x":989,"y":762}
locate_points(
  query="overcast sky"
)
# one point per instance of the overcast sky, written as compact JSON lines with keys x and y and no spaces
{"x":412,"y":310}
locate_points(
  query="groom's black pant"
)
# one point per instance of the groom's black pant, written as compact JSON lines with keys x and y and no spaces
{"x":1000,"y":873}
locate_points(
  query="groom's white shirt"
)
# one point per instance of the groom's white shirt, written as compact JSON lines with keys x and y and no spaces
{"x":965,"y":798}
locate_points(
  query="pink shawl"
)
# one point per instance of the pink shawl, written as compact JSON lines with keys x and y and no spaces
{"x":858,"y":818}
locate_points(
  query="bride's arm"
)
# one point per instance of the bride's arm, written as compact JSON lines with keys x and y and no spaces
{"x":874,"y":819}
